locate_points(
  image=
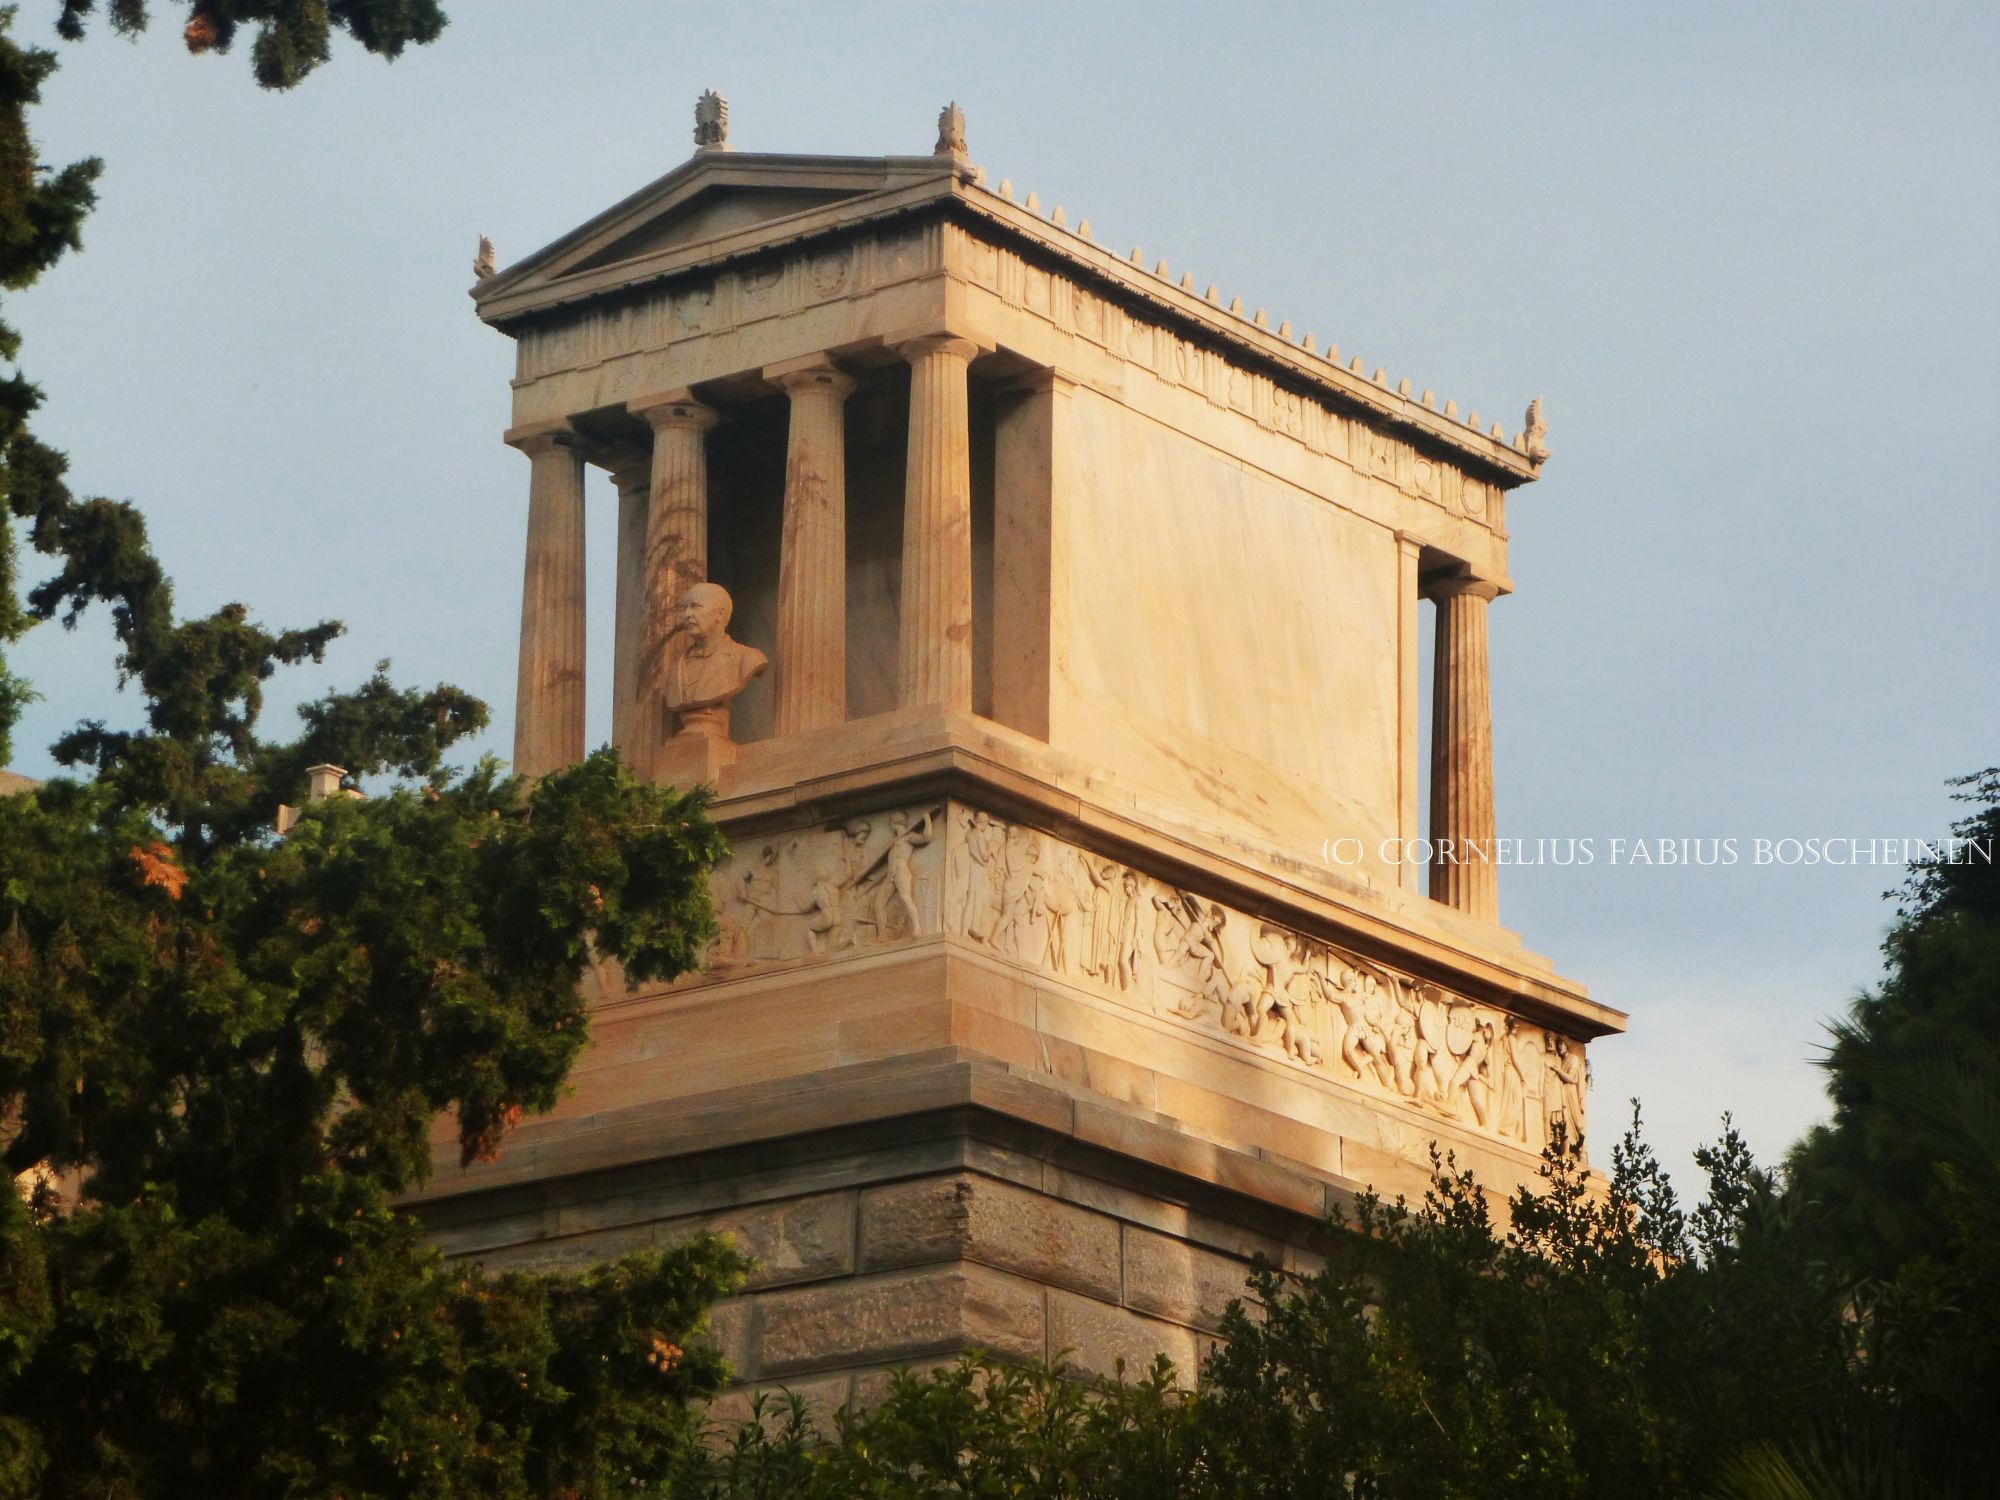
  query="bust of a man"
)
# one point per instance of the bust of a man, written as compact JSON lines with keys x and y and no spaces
{"x":705,"y":668}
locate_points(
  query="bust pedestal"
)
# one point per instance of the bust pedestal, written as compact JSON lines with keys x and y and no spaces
{"x":692,"y":759}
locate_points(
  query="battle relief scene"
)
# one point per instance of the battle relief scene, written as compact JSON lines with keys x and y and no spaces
{"x":959,"y":873}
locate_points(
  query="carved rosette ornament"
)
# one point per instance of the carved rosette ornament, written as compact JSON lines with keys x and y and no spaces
{"x":1018,"y":894}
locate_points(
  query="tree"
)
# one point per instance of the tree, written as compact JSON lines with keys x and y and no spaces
{"x":41,"y":217}
{"x":42,"y":211}
{"x":293,"y":36}
{"x":232,"y":1051}
{"x":1901,"y":1192}
{"x":1871,"y":1167}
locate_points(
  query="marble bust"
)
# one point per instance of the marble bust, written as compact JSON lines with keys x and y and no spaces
{"x":706,"y":667}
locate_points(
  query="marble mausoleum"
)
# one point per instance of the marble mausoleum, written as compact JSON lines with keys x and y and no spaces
{"x":1049,"y":630}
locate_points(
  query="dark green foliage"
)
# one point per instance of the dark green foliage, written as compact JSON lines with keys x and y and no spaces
{"x":977,"y":1428}
{"x":1605,"y":1345}
{"x":236,"y":1048}
{"x":395,"y":957}
{"x":231,"y":1051}
{"x":1871,"y":1168}
{"x":41,"y":218}
{"x":332,"y":1352}
{"x":293,"y":36}
{"x":1903,"y":1187}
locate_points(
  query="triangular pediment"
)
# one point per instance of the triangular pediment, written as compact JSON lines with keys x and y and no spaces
{"x":709,"y":208}
{"x":708,"y":215}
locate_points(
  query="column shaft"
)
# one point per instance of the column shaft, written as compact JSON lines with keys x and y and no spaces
{"x":634,"y":485}
{"x":1409,"y":604}
{"x":934,"y":655}
{"x":811,"y":687}
{"x":1031,"y":443}
{"x":1462,"y":751}
{"x":548,"y":698}
{"x":676,"y":556}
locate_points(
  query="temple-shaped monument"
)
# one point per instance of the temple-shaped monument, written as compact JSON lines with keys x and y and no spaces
{"x":1049,"y":630}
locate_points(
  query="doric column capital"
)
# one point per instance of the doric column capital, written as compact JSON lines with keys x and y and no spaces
{"x":810,"y":372}
{"x":917,"y":347}
{"x":632,"y":476}
{"x":1465,"y":585}
{"x":670,"y":410}
{"x":536,"y":438}
{"x":619,"y":460}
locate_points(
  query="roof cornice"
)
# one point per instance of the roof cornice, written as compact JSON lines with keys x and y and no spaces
{"x":1300,"y":368}
{"x":894,"y":187}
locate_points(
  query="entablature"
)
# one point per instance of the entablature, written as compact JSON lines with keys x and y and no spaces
{"x":667,"y":247}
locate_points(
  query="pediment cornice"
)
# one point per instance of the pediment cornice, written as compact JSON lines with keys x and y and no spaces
{"x":799,"y":196}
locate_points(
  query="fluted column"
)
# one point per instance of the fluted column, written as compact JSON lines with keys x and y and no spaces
{"x":676,"y":555}
{"x":812,"y":560}
{"x":1462,"y":750}
{"x":1409,"y":607}
{"x":548,"y":696}
{"x":634,"y":485}
{"x":934,"y":655}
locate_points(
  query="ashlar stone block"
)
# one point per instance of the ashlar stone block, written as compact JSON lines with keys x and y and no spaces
{"x":802,"y":1239}
{"x":1093,"y":1337}
{"x":728,"y":1333}
{"x":898,"y":1317}
{"x":966,"y":1216}
{"x":1173,"y":1279}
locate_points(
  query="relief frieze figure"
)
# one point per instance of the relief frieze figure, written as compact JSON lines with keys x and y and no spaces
{"x":820,"y":892}
{"x":1017,"y":893}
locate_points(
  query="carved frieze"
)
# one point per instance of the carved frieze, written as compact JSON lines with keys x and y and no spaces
{"x":760,"y":290}
{"x":817,"y":892}
{"x":702,"y":305}
{"x":829,"y":273}
{"x":1428,"y":479}
{"x":1023,"y":896}
{"x":902,"y":255}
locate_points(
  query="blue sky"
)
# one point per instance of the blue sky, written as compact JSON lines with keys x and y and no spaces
{"x":1745,"y":253}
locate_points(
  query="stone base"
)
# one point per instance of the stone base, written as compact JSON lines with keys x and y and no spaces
{"x":947,"y":1109}
{"x":693,"y":760}
{"x":945,"y":1203}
